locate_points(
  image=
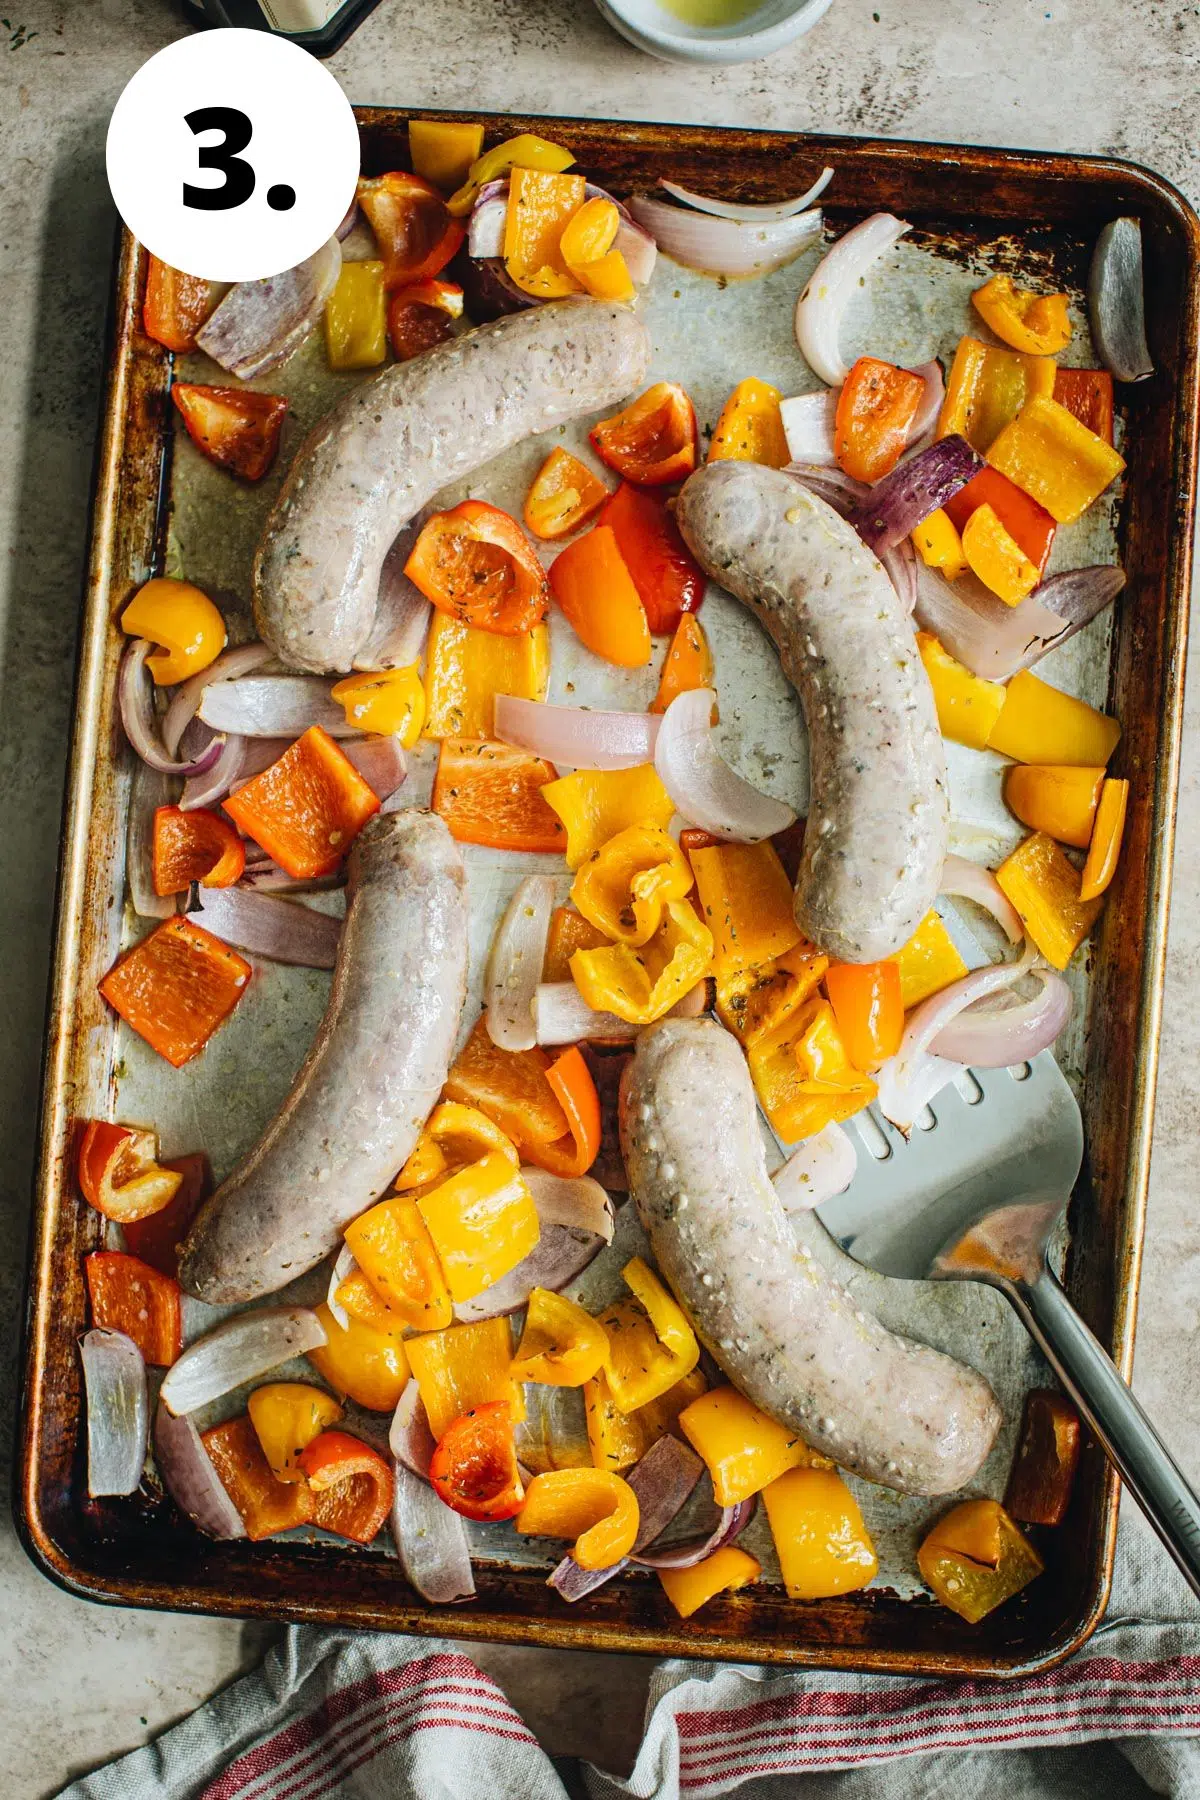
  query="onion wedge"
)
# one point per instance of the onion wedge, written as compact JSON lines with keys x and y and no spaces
{"x":1117,"y":301}
{"x":402,"y":613}
{"x":266,"y":925}
{"x":135,"y":697}
{"x":190,"y":1478}
{"x":891,"y":508}
{"x":663,"y":1483}
{"x":823,"y":1166}
{"x":576,"y":1219}
{"x":576,"y":1202}
{"x":515,"y":965}
{"x":830,"y":287}
{"x":808,"y":426}
{"x":746,"y":211}
{"x":562,"y":1016}
{"x":999,"y":1037}
{"x":274,"y":706}
{"x":237,"y":1351}
{"x":719,"y":246}
{"x":118,"y":1412}
{"x":260,"y":323}
{"x":969,"y":880}
{"x":431,"y":1542}
{"x":575,"y":736}
{"x":186,"y":698}
{"x":704,"y":788}
{"x":226,"y":772}
{"x":409,"y":1438}
{"x":150,"y":790}
{"x":732,"y":1522}
{"x":344,"y":1266}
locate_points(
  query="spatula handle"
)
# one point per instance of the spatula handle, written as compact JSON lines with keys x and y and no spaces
{"x":1107,"y":1404}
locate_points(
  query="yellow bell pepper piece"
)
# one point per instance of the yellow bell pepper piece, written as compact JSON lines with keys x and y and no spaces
{"x":619,"y":1439}
{"x":928,"y":962}
{"x":607,"y":278}
{"x":638,"y":1367}
{"x":997,"y":558}
{"x":742,"y":1448}
{"x":483,"y":1222}
{"x":1044,"y":888}
{"x":455,"y":1134}
{"x":587,"y":250}
{"x":662,"y":1309}
{"x":986,"y":389}
{"x":976,"y":1558}
{"x":523,"y":152}
{"x":624,"y":886}
{"x":356,"y":1296}
{"x":1049,"y":454}
{"x":1061,"y":801}
{"x":1040,"y":724}
{"x":540,"y":206}
{"x":939,"y":546}
{"x":823,"y":1545}
{"x":803,"y":1076}
{"x":595,"y":804}
{"x":183,"y":620}
{"x":641,"y":985}
{"x":287,"y":1416}
{"x":442,"y":152}
{"x":724,"y":1571}
{"x":595,"y":1507}
{"x":756,"y":1001}
{"x":391,"y":1244}
{"x":750,"y":428}
{"x":1105,"y":847}
{"x":1036,"y":324}
{"x":462,"y":1367}
{"x":967,"y":705}
{"x":747,"y":901}
{"x":465,"y":668}
{"x":368,"y":1366}
{"x":356,"y":318}
{"x":561,"y":1345}
{"x":390,"y":702}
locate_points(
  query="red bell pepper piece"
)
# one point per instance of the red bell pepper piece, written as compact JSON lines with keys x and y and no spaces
{"x":351,"y":1485}
{"x":475,"y":563}
{"x":866,"y":1003}
{"x":119,"y":1173}
{"x":422,"y":315}
{"x":194,"y":846}
{"x":266,"y":1504}
{"x":1028,"y":523}
{"x":175,"y":306}
{"x":176,"y":987}
{"x":128,"y":1295}
{"x":234,"y":427}
{"x":474,"y":1467}
{"x":156,"y":1239}
{"x":654,"y":440}
{"x":1088,"y":393}
{"x":875,"y":409}
{"x":307,"y":808}
{"x":1043,"y":1471}
{"x":412,"y":225}
{"x":669,"y":580}
{"x":491,"y":794}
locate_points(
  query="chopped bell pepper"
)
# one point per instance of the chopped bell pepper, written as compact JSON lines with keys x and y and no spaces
{"x":391,"y":1244}
{"x":653,"y":440}
{"x":350,"y":1483}
{"x":234,"y":427}
{"x":1044,"y":888}
{"x":494,"y":795}
{"x":1101,"y":863}
{"x":475,"y":563}
{"x":997,"y":558}
{"x":595,"y":804}
{"x":183,"y":620}
{"x":356,"y":1296}
{"x":726,"y":1570}
{"x":454,"y":1136}
{"x":595,"y":1507}
{"x":823,"y":1545}
{"x":412,"y":225}
{"x":307,"y":808}
{"x":510,"y":1086}
{"x":265,"y":1504}
{"x":156,"y":1238}
{"x":968,"y":706}
{"x":1027,"y":523}
{"x":569,"y":932}
{"x":1035,"y":324}
{"x":746,"y":899}
{"x":119,"y":1172}
{"x":287,"y":1416}
{"x":128,"y":1295}
{"x":975,"y":1558}
{"x":462,"y":1367}
{"x":868,"y":1008}
{"x":587,"y":250}
{"x":1052,"y":457}
{"x":420,"y":316}
{"x":483,"y":1222}
{"x":598,"y":597}
{"x":474,"y":1467}
{"x":750,"y":428}
{"x":669,"y":580}
{"x":564,"y":494}
{"x":194,"y":846}
{"x":356,"y":318}
{"x":986,"y":389}
{"x":624,"y":886}
{"x":638,"y":1366}
{"x":541,"y":203}
{"x":939,"y":545}
{"x":1059,"y":800}
{"x":1088,"y":393}
{"x":618,"y":1439}
{"x":362,"y":1363}
{"x":523,"y":152}
{"x":641,"y":985}
{"x":390,"y":702}
{"x":175,"y":305}
{"x":465,"y":668}
{"x":1043,"y":1472}
{"x":803,"y":1076}
{"x":741,"y":1447}
{"x":175,"y":987}
{"x":757,"y":1001}
{"x":571,"y":1082}
{"x":876,"y":407}
{"x":687,"y":665}
{"x":1040,"y":724}
{"x":928,"y":962}
{"x":442,"y":151}
{"x":663,"y":1311}
{"x":561,"y":1345}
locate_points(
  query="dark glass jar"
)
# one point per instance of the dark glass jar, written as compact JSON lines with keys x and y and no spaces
{"x":317,"y":25}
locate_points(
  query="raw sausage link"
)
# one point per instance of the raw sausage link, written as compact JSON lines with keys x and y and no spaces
{"x":392,"y":443}
{"x":798,"y":1340}
{"x":878,"y":818}
{"x":370,"y":1080}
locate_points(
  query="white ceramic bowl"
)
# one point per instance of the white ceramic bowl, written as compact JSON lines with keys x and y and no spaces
{"x":771,"y":25}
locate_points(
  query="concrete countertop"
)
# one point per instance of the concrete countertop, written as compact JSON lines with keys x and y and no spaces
{"x":81,"y":1683}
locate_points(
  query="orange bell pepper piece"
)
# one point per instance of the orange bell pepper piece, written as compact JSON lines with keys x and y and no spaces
{"x":422,"y":315}
{"x":492,"y":794}
{"x":1105,"y":847}
{"x":442,"y":151}
{"x":128,"y":1295}
{"x":391,"y":1244}
{"x":474,"y":1468}
{"x":928,"y":962}
{"x":236,"y":428}
{"x":466,"y":668}
{"x":119,"y":1172}
{"x":868,"y":1008}
{"x":475,"y":563}
{"x":654,"y":440}
{"x":997,"y":558}
{"x":307,"y":808}
{"x":746,"y":901}
{"x":1035,"y":324}
{"x":1059,"y":799}
{"x":350,"y":1483}
{"x":175,"y":987}
{"x":823,"y":1545}
{"x":510,"y":1086}
{"x":569,"y":932}
{"x":975,"y":1558}
{"x":595,"y":1507}
{"x":986,"y":389}
{"x":669,"y":580}
{"x":561,"y":1345}
{"x":1028,"y":524}
{"x":587,"y":250}
{"x":462,"y":1367}
{"x":595,"y":804}
{"x":570,"y":1080}
{"x":750,"y":428}
{"x":356,"y":1296}
{"x":968,"y":706}
{"x":598,"y":597}
{"x":175,"y":305}
{"x":454,"y":1136}
{"x":523,"y":152}
{"x":1052,"y":457}
{"x":1044,"y":887}
{"x":617,"y":1439}
{"x":156,"y":1237}
{"x":875,"y":409}
{"x":183,"y":620}
{"x":803,"y":1076}
{"x":726,"y":1570}
{"x":688,"y":664}
{"x":564,"y":493}
{"x":755,"y":1002}
{"x":1088,"y":393}
{"x":1040,"y":724}
{"x":287,"y":1416}
{"x":265,"y":1503}
{"x":194,"y":846}
{"x":1043,"y":1471}
{"x":413,"y":228}
{"x":361,"y":1362}
{"x":541,"y":203}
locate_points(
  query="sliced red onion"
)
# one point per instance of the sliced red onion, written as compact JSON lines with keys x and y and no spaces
{"x":409,"y":1438}
{"x":431,"y":1542}
{"x":971,"y":881}
{"x":515,"y":964}
{"x":575,"y":736}
{"x":135,"y":696}
{"x":274,"y":706}
{"x":118,"y":1412}
{"x":915,"y":488}
{"x":561,"y":1015}
{"x":732,"y":1522}
{"x":900,"y":561}
{"x":704,"y":788}
{"x":485,"y":233}
{"x":930,"y":404}
{"x":380,"y":761}
{"x":553,"y":1433}
{"x":190,"y":1478}
{"x":237,"y":1351}
{"x":1077,"y":596}
{"x":150,"y":790}
{"x":808,"y":426}
{"x":663,"y":1482}
{"x":348,"y":223}
{"x":823,"y":1166}
{"x":266,"y":925}
{"x":832,"y":485}
{"x":725,"y":246}
{"x":832,"y":285}
{"x":226,"y":772}
{"x":489,"y":290}
{"x":560,"y":1255}
{"x":260,"y":323}
{"x":637,"y":247}
{"x":1117,"y":301}
{"x":748,"y":212}
{"x":269,"y":878}
{"x":402,"y":613}
{"x":344,"y":1266}
{"x":576,"y":1202}
{"x":185,"y":700}
{"x":1000,"y":1037}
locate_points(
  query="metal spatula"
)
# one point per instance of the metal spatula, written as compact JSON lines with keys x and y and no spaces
{"x":976,"y":1193}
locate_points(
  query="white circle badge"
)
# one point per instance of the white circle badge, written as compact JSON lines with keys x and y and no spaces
{"x":232,"y":155}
